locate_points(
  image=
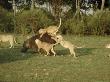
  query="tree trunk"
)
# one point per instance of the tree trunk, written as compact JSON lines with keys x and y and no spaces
{"x":76,"y":4}
{"x":77,"y":14}
{"x":102,"y":6}
{"x":14,"y":7}
{"x":32,"y":4}
{"x":25,"y":2}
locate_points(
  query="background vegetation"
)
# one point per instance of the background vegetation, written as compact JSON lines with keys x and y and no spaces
{"x":31,"y":19}
{"x":93,"y":62}
{"x":98,"y":24}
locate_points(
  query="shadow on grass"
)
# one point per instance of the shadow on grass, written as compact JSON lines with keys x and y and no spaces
{"x":79,"y":52}
{"x":84,"y":51}
{"x":10,"y":55}
{"x":62,"y":52}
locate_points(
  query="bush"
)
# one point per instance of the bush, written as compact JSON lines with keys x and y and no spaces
{"x":6,"y":21}
{"x":98,"y":24}
{"x":72,"y":26}
{"x":32,"y":21}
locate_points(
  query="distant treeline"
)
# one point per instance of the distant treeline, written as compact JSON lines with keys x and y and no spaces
{"x":7,"y":4}
{"x":73,"y":22}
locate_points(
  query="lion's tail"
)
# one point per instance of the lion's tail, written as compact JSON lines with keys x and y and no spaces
{"x":59,"y":24}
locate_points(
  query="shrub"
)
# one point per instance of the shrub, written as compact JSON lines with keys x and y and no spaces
{"x":32,"y":21}
{"x":72,"y":26}
{"x":98,"y":24}
{"x":6,"y":21}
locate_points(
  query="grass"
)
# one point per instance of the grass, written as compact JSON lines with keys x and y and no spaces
{"x":92,"y":64}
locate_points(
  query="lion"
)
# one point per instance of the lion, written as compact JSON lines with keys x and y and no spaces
{"x":8,"y":38}
{"x":51,"y":30}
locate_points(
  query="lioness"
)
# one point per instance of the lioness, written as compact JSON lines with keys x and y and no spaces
{"x":31,"y":44}
{"x":52,"y":30}
{"x":107,"y":46}
{"x":66,"y":44}
{"x":48,"y":47}
{"x":8,"y":38}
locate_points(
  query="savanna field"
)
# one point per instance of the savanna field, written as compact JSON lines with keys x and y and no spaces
{"x":92,"y":63}
{"x":85,"y":23}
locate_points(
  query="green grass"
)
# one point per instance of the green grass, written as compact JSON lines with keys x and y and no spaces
{"x":92,"y":64}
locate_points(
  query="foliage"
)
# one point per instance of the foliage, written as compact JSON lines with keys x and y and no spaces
{"x":29,"y":21}
{"x":5,"y":4}
{"x":6,"y":21}
{"x":32,"y":21}
{"x":98,"y":24}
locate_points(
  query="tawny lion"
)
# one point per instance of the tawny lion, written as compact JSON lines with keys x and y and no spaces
{"x":66,"y":44}
{"x":8,"y":38}
{"x":52,"y":30}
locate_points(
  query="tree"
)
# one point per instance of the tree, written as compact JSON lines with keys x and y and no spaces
{"x":102,"y":6}
{"x":77,"y":14}
{"x":56,"y":6}
{"x":32,"y":4}
{"x":6,"y":20}
{"x":5,"y":4}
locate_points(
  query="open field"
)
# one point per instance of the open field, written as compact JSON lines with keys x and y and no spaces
{"x":92,"y":64}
